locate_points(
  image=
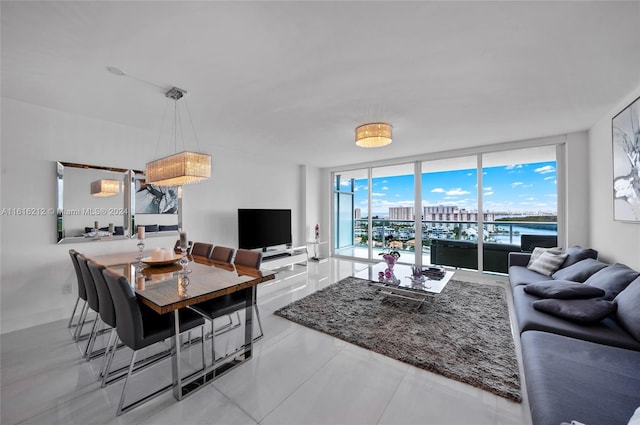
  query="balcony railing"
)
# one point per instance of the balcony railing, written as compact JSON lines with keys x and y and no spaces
{"x":401,"y":234}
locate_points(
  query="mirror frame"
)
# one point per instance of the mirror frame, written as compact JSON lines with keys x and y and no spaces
{"x":128,"y":176}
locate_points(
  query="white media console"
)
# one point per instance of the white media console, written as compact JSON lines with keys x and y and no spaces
{"x":284,"y":257}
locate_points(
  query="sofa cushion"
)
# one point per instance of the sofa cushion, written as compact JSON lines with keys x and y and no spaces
{"x":547,"y":262}
{"x":580,"y":271}
{"x":612,"y":279}
{"x":538,"y":251}
{"x":607,"y":332}
{"x":628,"y":313}
{"x":570,"y":379}
{"x":520,"y":275}
{"x":563,"y":289}
{"x":577,"y":253}
{"x":580,"y":311}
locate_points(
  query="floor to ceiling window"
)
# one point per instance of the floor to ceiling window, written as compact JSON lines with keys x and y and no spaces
{"x":519,"y":202}
{"x":446,"y":211}
{"x":449,"y":208}
{"x":351,"y":200}
{"x":393,"y":211}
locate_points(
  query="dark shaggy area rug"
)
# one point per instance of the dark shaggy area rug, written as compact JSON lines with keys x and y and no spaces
{"x":462,"y":333}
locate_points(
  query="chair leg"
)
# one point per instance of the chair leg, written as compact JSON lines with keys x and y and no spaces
{"x":75,"y":307}
{"x":92,"y":339}
{"x":105,"y":375}
{"x":259,"y":323}
{"x":204,"y":364}
{"x":81,"y":319}
{"x":213,"y":344}
{"x":126,"y":382}
{"x":107,"y":352}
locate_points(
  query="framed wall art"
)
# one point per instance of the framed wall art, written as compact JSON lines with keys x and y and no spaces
{"x":152,"y":199}
{"x":625,"y":130}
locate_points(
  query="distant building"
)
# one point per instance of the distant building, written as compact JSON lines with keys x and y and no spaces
{"x":459,"y":216}
{"x":357,"y":214}
{"x":401,"y":213}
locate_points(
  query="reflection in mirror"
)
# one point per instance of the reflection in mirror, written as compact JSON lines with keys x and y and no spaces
{"x":93,"y":202}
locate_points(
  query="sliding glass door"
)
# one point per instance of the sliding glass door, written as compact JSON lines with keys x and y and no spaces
{"x":464,"y":212}
{"x":450,"y":212}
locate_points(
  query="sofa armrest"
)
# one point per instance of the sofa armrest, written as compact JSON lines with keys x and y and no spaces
{"x":519,"y":259}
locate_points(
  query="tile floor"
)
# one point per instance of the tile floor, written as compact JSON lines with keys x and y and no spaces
{"x":296,"y":376}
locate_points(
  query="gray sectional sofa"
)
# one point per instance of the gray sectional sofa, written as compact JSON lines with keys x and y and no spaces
{"x":580,"y":337}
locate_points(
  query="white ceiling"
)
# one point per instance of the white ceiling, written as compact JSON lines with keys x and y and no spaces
{"x":291,"y":80}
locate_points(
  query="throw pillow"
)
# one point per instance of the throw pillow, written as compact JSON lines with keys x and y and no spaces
{"x":563,"y":289}
{"x":628,"y":314}
{"x":547,"y":262}
{"x":537,"y":252}
{"x":577,"y":253}
{"x":580,"y":311}
{"x":612,"y":279}
{"x":580,"y":271}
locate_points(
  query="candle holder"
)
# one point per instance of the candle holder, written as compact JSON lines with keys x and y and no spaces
{"x":184,"y":261}
{"x":183,"y":283}
{"x":140,"y":249}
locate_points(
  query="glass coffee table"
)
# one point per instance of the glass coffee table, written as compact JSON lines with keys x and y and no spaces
{"x":402,"y":284}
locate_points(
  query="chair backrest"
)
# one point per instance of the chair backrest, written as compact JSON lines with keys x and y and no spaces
{"x":129,"y":319}
{"x":177,"y":250}
{"x":202,"y":249}
{"x":222,"y":253}
{"x":248,"y":258}
{"x":92,"y":295}
{"x":82,"y":292}
{"x":107,"y":311}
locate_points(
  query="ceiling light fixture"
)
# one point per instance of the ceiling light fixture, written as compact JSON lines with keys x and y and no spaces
{"x":373,"y":135}
{"x":183,"y":167}
{"x":105,"y":187}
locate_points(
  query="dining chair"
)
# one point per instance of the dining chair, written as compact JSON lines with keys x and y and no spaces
{"x":82,"y":292}
{"x":92,"y":301}
{"x":139,"y":327}
{"x":106,"y":311}
{"x":202,"y":249}
{"x":252,"y":260}
{"x":229,"y":304}
{"x":177,"y":250}
{"x":222,"y":253}
{"x":248,"y":258}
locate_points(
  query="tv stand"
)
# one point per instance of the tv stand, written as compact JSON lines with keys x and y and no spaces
{"x":273,"y":259}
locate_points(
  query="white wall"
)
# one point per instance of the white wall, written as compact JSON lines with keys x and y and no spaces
{"x":37,"y":281}
{"x":616,"y":241}
{"x":576,"y":192}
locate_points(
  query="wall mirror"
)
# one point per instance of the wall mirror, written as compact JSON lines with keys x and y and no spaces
{"x":98,"y":203}
{"x":94,"y":203}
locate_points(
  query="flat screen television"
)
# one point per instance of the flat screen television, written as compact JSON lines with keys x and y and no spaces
{"x":263,"y":228}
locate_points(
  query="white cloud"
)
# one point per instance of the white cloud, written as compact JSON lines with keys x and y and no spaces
{"x":438,"y":190}
{"x":488,"y":189}
{"x":512,"y":166}
{"x":549,"y":178}
{"x":545,"y":170}
{"x":378,"y":194}
{"x":488,"y":193}
{"x":384,"y":188}
{"x":516,"y":184}
{"x":457,"y":192}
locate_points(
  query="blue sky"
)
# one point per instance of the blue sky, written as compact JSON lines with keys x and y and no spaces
{"x":515,"y":188}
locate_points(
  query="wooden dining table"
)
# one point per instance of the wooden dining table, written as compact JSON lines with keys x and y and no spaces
{"x":167,"y":289}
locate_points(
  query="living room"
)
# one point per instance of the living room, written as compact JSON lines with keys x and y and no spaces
{"x":276,"y":145}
